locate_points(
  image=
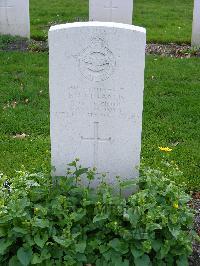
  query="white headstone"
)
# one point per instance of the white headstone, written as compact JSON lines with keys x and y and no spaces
{"x":196,"y":24}
{"x":96,"y":96}
{"x":14,"y":17}
{"x":111,"y":10}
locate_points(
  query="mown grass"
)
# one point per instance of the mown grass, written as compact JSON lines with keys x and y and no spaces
{"x":166,"y":21}
{"x":171,"y":113}
{"x":24,"y":108}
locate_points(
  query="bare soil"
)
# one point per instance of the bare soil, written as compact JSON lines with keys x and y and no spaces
{"x":171,"y":49}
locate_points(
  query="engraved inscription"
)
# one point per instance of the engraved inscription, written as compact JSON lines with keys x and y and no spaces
{"x":96,"y":141}
{"x":5,"y":4}
{"x":97,"y":62}
{"x":95,"y":101}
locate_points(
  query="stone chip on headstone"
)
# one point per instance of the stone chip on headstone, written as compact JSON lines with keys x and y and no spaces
{"x":96,"y":96}
{"x":111,"y":10}
{"x":196,"y":24}
{"x":14,"y":17}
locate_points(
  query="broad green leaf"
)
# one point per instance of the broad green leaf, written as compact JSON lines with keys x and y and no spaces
{"x":118,"y":261}
{"x":80,"y":171}
{"x":24,"y":256}
{"x":125,"y":263}
{"x":81,"y":257}
{"x":142,"y":261}
{"x":80,"y":247}
{"x":129,"y":184}
{"x":100,"y":217}
{"x":69,"y":260}
{"x":164,"y":250}
{"x":42,"y":223}
{"x":136,"y":252}
{"x":19,"y":230}
{"x":29,"y":240}
{"x":62,"y":241}
{"x":182,"y":261}
{"x":154,"y":226}
{"x":25,"y":202}
{"x":36,"y":259}
{"x":103,"y":248}
{"x":4,"y":244}
{"x":133,"y":216}
{"x":156,"y":244}
{"x":76,"y":235}
{"x":40,"y":240}
{"x":73,"y":164}
{"x":101,"y":262}
{"x":174,"y":230}
{"x":14,"y":261}
{"x":119,"y":245}
{"x":45,"y":255}
{"x":139,"y":234}
{"x":108,"y":255}
{"x":77,"y":216}
{"x":3,"y":232}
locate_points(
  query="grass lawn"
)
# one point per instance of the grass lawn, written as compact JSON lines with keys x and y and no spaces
{"x":171,"y":112}
{"x":166,"y":21}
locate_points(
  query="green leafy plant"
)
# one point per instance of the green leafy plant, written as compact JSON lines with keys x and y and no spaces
{"x":65,"y":222}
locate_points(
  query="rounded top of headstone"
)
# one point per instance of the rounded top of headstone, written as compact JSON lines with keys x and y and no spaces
{"x":98,"y":24}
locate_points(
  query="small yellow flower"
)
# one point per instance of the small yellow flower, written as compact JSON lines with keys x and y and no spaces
{"x":175,"y":205}
{"x":167,"y":149}
{"x":36,"y":210}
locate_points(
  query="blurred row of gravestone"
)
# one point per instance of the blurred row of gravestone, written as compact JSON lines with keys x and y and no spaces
{"x":196,"y":24}
{"x":14,"y":15}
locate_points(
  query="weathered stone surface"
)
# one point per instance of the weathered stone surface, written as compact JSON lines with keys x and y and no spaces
{"x":111,"y":10}
{"x":96,"y":96}
{"x":14,"y":17}
{"x":196,"y":24}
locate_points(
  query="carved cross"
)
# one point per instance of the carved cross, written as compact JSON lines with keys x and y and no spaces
{"x":111,"y":7}
{"x":96,"y":140}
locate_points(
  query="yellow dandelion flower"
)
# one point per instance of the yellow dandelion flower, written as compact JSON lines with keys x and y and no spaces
{"x":167,"y":149}
{"x":175,"y":205}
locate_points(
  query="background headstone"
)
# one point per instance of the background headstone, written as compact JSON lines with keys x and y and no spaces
{"x":111,"y":10}
{"x":96,"y":96}
{"x":196,"y":24}
{"x":14,"y":17}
